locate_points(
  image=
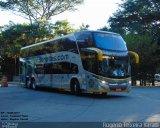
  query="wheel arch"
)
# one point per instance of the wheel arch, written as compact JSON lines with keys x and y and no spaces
{"x":74,"y":79}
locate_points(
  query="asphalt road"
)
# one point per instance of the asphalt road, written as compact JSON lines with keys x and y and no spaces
{"x":47,"y":105}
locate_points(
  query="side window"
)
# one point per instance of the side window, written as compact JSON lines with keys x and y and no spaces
{"x":30,"y":53}
{"x":61,"y":68}
{"x":55,"y":68}
{"x":89,"y":61}
{"x":36,"y":50}
{"x":74,"y":68}
{"x":72,"y":45}
{"x":24,"y":53}
{"x":84,"y":39}
{"x":65,"y":68}
{"x":69,"y":44}
{"x":39,"y":69}
{"x":47,"y":48}
{"x":54,"y":46}
{"x":69,"y":68}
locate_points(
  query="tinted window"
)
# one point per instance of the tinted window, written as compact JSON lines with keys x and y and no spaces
{"x":55,"y":68}
{"x":63,"y":44}
{"x":61,"y":68}
{"x":68,"y":44}
{"x":24,"y":52}
{"x":84,"y":39}
{"x":39,"y":69}
{"x":110,"y":41}
{"x":89,"y":61}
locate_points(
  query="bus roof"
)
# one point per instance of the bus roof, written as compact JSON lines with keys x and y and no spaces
{"x":32,"y":45}
{"x":92,"y":31}
{"x":99,"y":31}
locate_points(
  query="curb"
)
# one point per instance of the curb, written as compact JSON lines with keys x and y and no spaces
{"x":17,"y":83}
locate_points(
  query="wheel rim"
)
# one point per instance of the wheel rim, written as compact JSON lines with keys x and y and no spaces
{"x":75,"y":87}
{"x":33,"y":85}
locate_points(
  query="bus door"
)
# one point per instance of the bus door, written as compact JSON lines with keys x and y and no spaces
{"x":61,"y":74}
{"x":69,"y":70}
{"x":55,"y":71}
{"x":43,"y":75}
{"x":56,"y":80}
{"x":42,"y":78}
{"x":22,"y":71}
{"x":28,"y":68}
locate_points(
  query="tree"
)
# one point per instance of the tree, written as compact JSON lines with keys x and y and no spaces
{"x":15,"y":36}
{"x":147,"y":49}
{"x":39,"y":10}
{"x":137,"y":16}
{"x":84,"y":27}
{"x":63,"y":28}
{"x":139,"y":22}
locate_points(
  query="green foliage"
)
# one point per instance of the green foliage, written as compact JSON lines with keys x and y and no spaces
{"x":145,"y":47}
{"x":39,"y":10}
{"x":15,"y":36}
{"x":63,"y":28}
{"x":84,"y":27}
{"x":137,"y":16}
{"x":139,"y":22}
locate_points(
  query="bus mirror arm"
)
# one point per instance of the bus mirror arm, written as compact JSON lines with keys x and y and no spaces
{"x":135,"y":55}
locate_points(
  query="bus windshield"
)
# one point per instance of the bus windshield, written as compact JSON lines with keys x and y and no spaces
{"x":115,"y":67}
{"x":110,"y":42}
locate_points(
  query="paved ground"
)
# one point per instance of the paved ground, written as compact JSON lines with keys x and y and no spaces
{"x":141,"y":105}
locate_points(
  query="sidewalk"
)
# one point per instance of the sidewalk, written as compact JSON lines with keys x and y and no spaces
{"x":11,"y":83}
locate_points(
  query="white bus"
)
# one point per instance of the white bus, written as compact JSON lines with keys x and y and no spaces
{"x":85,"y":61}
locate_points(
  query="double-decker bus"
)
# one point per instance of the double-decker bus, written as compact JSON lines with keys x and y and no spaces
{"x":85,"y":61}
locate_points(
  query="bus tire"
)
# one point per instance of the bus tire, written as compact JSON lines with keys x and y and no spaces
{"x":104,"y":94}
{"x":33,"y":84}
{"x":75,"y":87}
{"x":27,"y":85}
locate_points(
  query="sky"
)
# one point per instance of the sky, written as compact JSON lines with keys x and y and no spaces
{"x":95,"y":13}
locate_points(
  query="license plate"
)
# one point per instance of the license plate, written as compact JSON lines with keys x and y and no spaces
{"x":118,"y":89}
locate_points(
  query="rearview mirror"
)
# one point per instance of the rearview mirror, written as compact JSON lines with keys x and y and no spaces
{"x":134,"y":57}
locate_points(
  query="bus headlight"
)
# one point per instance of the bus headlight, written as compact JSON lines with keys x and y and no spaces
{"x":129,"y":82}
{"x":103,"y":82}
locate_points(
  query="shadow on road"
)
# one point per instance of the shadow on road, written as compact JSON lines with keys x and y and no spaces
{"x":83,"y":95}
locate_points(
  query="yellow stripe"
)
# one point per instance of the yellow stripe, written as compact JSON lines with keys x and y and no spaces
{"x":101,"y":91}
{"x":63,"y":88}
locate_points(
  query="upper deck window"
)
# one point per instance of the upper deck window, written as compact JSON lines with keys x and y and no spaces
{"x":110,"y":41}
{"x":84,"y":39}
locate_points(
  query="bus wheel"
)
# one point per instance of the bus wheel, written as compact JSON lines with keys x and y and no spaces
{"x":75,"y":88}
{"x":27,"y":85}
{"x":104,"y":94}
{"x":33,"y":84}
